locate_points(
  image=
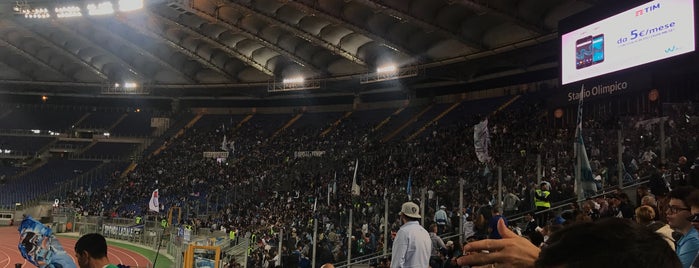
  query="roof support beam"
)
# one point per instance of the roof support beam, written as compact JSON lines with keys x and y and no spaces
{"x":84,"y":40}
{"x":349,"y":25}
{"x":234,"y":28}
{"x":37,"y":35}
{"x":503,"y":14}
{"x":151,"y":33}
{"x":32,"y":59}
{"x":215,"y":43}
{"x":419,"y":22}
{"x":249,"y":10}
{"x":99,"y":27}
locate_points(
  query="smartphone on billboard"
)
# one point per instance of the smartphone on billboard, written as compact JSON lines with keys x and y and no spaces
{"x":598,"y":48}
{"x":583,"y":52}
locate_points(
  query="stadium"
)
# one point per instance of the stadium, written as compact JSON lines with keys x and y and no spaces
{"x":259,"y":133}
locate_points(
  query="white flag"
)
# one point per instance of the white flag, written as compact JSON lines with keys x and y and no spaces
{"x":356,"y":189}
{"x":153,"y":205}
{"x":481,"y":141}
{"x":224,"y":144}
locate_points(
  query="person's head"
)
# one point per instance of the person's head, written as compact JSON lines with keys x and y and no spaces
{"x":528,"y":217}
{"x":642,"y":190}
{"x":678,"y":210}
{"x":544,"y":186}
{"x":645,"y":215}
{"x":91,"y":251}
{"x":610,"y":242}
{"x":328,"y":265}
{"x":693,"y":202}
{"x":433,"y":228}
{"x":409,"y":212}
{"x":649,"y":200}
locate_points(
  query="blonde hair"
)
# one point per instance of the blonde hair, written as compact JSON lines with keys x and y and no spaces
{"x":645,"y":214}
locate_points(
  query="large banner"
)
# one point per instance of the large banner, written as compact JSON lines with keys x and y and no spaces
{"x":215,"y":155}
{"x":300,"y":154}
{"x":122,"y":231}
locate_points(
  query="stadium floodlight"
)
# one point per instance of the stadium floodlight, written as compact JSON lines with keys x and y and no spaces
{"x":37,"y":13}
{"x":21,"y":7}
{"x":126,"y":88}
{"x":293,"y":84}
{"x":130,"y":85}
{"x":68,"y":12}
{"x":388,"y":72}
{"x":387,"y":69}
{"x":104,"y":8}
{"x":130,"y":5}
{"x":293,"y":80}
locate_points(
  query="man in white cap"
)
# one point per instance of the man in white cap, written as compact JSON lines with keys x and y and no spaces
{"x":412,"y":245}
{"x":441,"y":218}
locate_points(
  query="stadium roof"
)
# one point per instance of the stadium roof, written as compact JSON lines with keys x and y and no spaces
{"x":243,"y":47}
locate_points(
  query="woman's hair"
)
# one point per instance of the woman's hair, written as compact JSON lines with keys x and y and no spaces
{"x":645,"y":214}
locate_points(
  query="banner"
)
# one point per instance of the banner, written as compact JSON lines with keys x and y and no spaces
{"x":122,"y":231}
{"x":215,"y":155}
{"x":300,"y":154}
{"x":154,"y":205}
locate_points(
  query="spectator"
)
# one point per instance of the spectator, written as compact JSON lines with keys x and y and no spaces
{"x":677,"y":213}
{"x":91,"y":252}
{"x":412,"y":246}
{"x":441,"y":218}
{"x":645,"y":215}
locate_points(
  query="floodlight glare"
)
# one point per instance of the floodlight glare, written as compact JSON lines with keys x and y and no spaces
{"x":104,"y":8}
{"x":68,"y":11}
{"x":130,"y":85}
{"x":387,"y":69}
{"x":293,"y":80}
{"x":130,"y":5}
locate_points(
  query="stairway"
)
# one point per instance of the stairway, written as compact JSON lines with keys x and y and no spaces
{"x":406,"y":124}
{"x":435,"y":119}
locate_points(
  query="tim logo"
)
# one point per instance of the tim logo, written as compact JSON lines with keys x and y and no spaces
{"x":671,"y":49}
{"x":647,"y":9}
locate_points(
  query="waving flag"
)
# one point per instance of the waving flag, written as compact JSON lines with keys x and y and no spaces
{"x":356,"y":189}
{"x":586,"y":177}
{"x":153,"y":205}
{"x":481,"y":141}
{"x":39,"y":246}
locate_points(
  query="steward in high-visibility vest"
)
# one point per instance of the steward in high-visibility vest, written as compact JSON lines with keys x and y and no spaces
{"x":138,"y":219}
{"x":541,"y":197}
{"x":163,"y":223}
{"x":541,"y":201}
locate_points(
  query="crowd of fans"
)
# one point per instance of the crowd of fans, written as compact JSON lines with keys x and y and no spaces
{"x":262,"y":189}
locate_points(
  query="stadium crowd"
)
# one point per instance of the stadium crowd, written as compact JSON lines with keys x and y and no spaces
{"x":262,"y":189}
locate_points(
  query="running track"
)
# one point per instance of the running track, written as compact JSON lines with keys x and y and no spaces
{"x":9,"y":254}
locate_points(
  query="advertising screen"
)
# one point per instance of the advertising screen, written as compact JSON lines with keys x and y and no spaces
{"x":653,"y":31}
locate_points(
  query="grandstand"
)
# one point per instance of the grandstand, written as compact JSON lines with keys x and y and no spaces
{"x":202,"y":126}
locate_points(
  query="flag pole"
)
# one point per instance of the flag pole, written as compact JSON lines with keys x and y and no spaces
{"x":385,"y":221}
{"x":315,"y":233}
{"x":349,"y":237}
{"x":578,"y":148}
